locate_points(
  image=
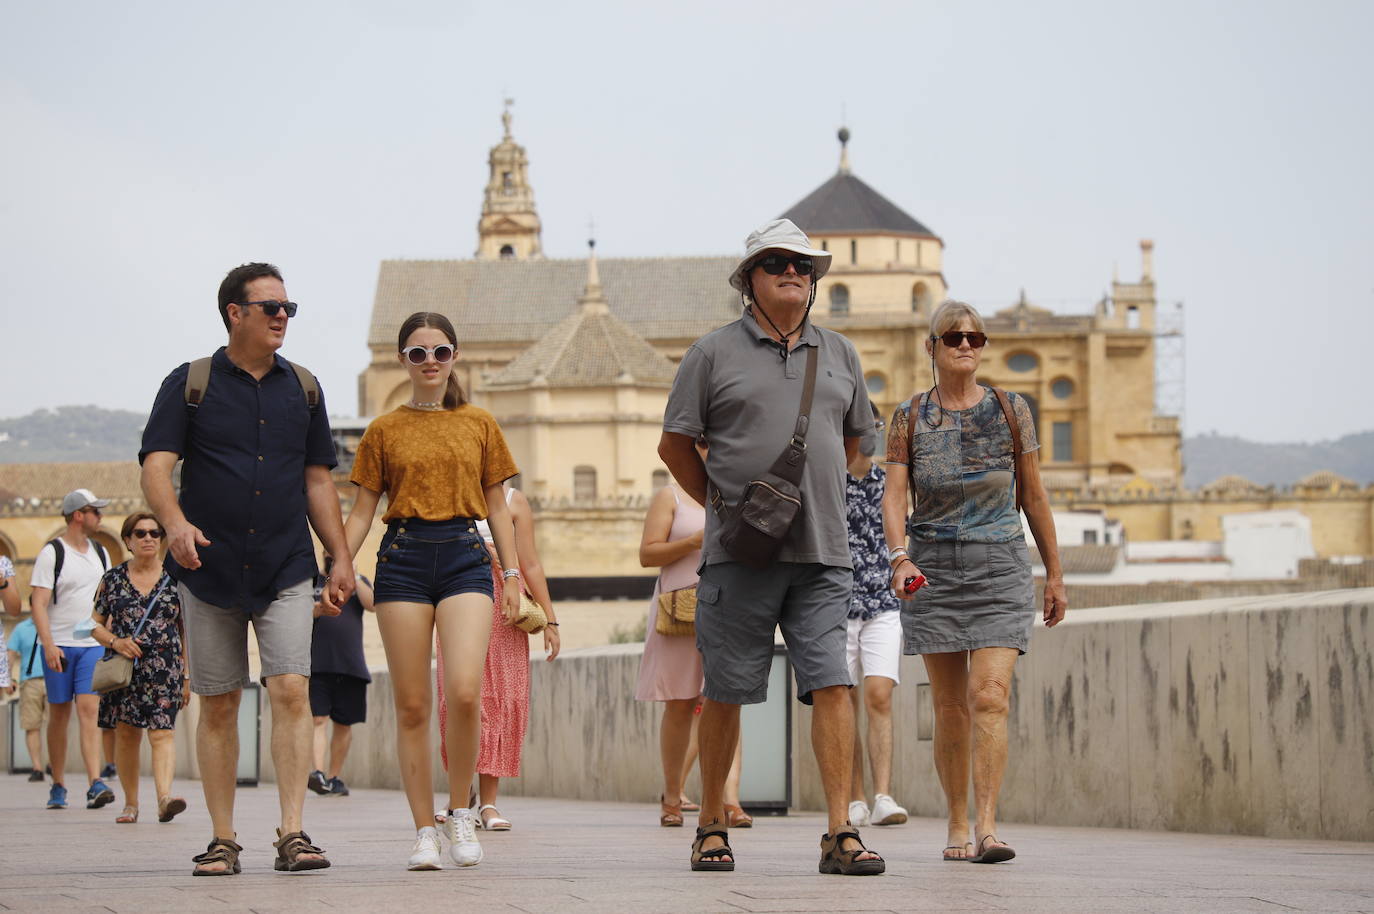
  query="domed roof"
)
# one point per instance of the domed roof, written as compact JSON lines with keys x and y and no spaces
{"x":1326,"y":479}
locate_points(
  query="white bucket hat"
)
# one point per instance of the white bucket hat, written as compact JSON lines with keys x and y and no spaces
{"x":778,"y":235}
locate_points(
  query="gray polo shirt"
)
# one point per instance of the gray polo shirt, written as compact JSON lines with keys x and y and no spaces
{"x":734,"y":386}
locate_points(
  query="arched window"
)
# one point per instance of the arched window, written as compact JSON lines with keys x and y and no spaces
{"x":853,"y":251}
{"x":920,"y":298}
{"x":507,"y":185}
{"x":507,"y":252}
{"x":825,"y":245}
{"x":659,"y":480}
{"x":584,"y":483}
{"x":839,"y":300}
{"x":1132,"y":318}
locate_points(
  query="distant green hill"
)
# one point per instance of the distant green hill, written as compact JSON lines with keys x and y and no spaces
{"x":71,"y":434}
{"x":89,"y":433}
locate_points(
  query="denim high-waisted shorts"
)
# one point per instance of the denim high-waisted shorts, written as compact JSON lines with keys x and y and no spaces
{"x":425,"y":561}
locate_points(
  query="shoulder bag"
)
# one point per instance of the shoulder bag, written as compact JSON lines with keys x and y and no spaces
{"x":114,"y":671}
{"x":752,"y":532}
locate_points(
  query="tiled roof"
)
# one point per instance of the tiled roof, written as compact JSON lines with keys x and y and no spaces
{"x":1082,"y":559}
{"x":594,"y":349}
{"x":1326,"y":479}
{"x":1232,"y":483}
{"x":118,"y":479}
{"x":519,"y":300}
{"x":847,"y":204}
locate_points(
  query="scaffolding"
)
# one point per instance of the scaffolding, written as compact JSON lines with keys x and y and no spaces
{"x":1170,"y":364}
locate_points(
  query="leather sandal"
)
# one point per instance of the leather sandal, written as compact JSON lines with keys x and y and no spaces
{"x":736,"y":817}
{"x":290,"y":847}
{"x":128,"y":817}
{"x":1000,"y":854}
{"x":220,"y":850}
{"x":837,"y":861}
{"x":169,"y":807}
{"x":690,"y":805}
{"x":670,"y":815}
{"x":713,"y":860}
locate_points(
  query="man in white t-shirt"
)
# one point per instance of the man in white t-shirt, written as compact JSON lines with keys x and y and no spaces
{"x":66,"y":574}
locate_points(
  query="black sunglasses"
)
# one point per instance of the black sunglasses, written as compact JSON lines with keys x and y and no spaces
{"x":954,"y":338}
{"x":272,"y":308}
{"x":143,"y":534}
{"x":776,"y":264}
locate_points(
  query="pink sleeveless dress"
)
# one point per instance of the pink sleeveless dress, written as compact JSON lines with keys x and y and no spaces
{"x":671,"y":666}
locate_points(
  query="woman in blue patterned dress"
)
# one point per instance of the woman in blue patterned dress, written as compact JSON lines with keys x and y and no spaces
{"x":952,"y":448}
{"x":161,"y":684}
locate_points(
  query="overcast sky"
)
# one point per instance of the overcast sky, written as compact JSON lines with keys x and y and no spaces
{"x":151,"y":146}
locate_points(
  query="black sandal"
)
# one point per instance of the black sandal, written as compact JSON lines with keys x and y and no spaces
{"x":289,"y":849}
{"x":712,"y":860}
{"x":220,"y":850}
{"x":837,"y":861}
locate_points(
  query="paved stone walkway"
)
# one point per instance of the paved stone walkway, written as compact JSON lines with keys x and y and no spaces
{"x":586,"y":857}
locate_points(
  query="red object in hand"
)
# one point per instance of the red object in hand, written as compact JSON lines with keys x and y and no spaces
{"x":913,"y":584}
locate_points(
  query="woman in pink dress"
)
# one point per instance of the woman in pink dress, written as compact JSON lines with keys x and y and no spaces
{"x":670,"y":669}
{"x":506,"y":675}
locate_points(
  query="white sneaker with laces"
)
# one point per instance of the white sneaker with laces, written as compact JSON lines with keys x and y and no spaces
{"x":461,"y":831}
{"x":886,"y":811}
{"x":858,"y":813}
{"x":425,"y":854}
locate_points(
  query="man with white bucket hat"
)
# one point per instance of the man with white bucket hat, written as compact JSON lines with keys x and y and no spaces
{"x":743,"y":388}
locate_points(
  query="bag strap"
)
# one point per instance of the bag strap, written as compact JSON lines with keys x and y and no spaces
{"x":1015,"y":443}
{"x":792,"y":460}
{"x":913,"y":417}
{"x":152,"y":601}
{"x":33,"y":653}
{"x":59,"y":555}
{"x":102,"y":555}
{"x":198,"y":381}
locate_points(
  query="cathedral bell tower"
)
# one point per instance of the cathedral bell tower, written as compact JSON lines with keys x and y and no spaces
{"x":509,"y":227}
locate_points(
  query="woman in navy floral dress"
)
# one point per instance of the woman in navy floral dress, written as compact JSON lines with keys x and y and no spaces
{"x":160,"y":686}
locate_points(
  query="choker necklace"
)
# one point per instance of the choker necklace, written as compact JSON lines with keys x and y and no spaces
{"x":416,"y":404}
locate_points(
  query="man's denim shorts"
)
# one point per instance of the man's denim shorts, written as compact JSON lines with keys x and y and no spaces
{"x":427,"y":561}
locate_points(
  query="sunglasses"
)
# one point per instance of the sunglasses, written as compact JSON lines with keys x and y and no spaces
{"x":273,"y":308}
{"x":142,"y":534}
{"x":416,"y":355}
{"x":776,"y":264}
{"x":954,"y":338}
{"x":92,"y":510}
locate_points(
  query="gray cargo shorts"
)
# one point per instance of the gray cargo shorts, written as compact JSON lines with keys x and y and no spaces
{"x":217,"y":639}
{"x":739,"y":607}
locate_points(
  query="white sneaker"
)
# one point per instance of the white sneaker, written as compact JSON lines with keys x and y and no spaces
{"x":461,"y":831}
{"x":886,"y":811}
{"x":425,"y":854}
{"x":858,"y":813}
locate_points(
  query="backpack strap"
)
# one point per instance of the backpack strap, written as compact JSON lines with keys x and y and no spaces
{"x":33,"y":654}
{"x":103,"y":555}
{"x":59,"y":556}
{"x":198,"y":381}
{"x":1015,"y":442}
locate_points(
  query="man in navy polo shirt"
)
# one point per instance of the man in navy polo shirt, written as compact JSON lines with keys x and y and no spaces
{"x":257,"y":458}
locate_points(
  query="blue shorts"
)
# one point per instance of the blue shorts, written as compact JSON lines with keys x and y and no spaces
{"x":424,"y":561}
{"x":75,"y":677}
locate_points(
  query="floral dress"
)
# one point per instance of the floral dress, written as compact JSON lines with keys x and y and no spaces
{"x":152,"y":699}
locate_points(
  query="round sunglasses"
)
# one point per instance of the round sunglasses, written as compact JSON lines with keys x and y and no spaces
{"x":416,"y":355}
{"x":954,"y":338}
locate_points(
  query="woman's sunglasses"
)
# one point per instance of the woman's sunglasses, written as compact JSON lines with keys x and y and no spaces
{"x":954,"y":338}
{"x":776,"y":265}
{"x":273,"y":308}
{"x":416,"y":355}
{"x":142,"y":534}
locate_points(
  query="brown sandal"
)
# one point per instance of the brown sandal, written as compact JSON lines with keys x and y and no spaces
{"x":169,"y":807}
{"x":128,"y":817}
{"x":736,"y":817}
{"x":712,"y":860}
{"x":670,"y":814}
{"x":220,"y":850}
{"x":290,"y":847}
{"x":836,"y":861}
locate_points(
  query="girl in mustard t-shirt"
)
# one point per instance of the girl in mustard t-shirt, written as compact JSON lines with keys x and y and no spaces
{"x":440,"y":461}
